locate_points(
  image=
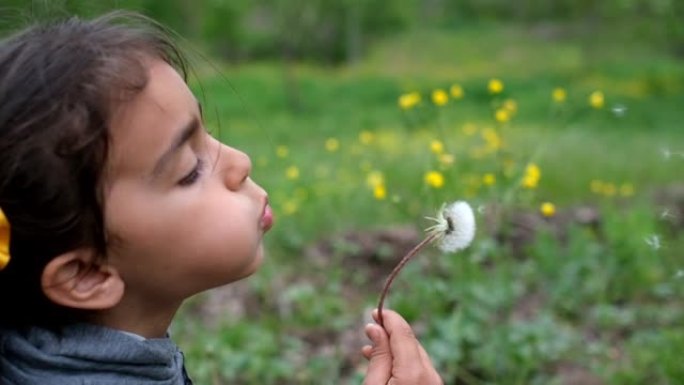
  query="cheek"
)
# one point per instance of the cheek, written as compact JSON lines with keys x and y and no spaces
{"x":131,"y":209}
{"x":234,"y":230}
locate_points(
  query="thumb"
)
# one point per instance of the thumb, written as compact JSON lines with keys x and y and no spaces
{"x":380,"y":366}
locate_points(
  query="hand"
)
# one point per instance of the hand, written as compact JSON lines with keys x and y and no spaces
{"x":396,"y":357}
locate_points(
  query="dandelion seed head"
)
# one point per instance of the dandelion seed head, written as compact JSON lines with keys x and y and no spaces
{"x":666,"y":153}
{"x":669,"y":154}
{"x":653,"y":241}
{"x":619,"y":110}
{"x":679,"y":274}
{"x":455,"y":226}
{"x":666,"y":214}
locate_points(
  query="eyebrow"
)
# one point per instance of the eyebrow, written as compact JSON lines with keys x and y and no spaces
{"x":184,"y":135}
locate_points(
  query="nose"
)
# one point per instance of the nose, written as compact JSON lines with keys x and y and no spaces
{"x":235,"y":165}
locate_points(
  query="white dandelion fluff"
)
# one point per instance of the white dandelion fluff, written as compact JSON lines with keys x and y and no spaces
{"x":455,"y":227}
{"x":669,"y":154}
{"x":653,"y":241}
{"x":454,"y":230}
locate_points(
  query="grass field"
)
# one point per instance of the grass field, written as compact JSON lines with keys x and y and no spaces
{"x":591,"y":294}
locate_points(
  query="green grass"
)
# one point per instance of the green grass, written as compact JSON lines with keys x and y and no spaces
{"x":602,"y":303}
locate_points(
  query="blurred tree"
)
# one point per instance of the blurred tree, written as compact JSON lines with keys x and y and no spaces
{"x":340,"y":31}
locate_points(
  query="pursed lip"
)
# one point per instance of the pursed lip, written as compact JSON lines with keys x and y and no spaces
{"x":266,"y":217}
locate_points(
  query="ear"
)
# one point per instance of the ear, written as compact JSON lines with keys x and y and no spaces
{"x":73,"y":280}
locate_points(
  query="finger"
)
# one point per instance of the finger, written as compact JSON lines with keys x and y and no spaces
{"x":380,"y":366}
{"x":405,"y":348}
{"x":424,"y":357}
{"x":366,"y":351}
{"x":427,"y":363}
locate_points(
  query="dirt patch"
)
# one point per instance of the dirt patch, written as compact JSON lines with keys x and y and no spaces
{"x":569,"y":373}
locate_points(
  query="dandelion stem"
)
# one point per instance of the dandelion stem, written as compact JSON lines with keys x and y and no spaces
{"x":431,"y":237}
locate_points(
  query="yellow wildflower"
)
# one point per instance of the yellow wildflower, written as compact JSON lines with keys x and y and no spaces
{"x":559,"y":95}
{"x":488,"y":179}
{"x":609,"y":189}
{"x":596,"y":99}
{"x":529,"y":182}
{"x":456,"y":91}
{"x":492,"y":139}
{"x":437,"y":147}
{"x":533,"y":170}
{"x":511,"y":106}
{"x":380,"y":192}
{"x":408,"y":101}
{"x":446,"y":159}
{"x":495,"y":86}
{"x":292,"y":172}
{"x":440,"y":97}
{"x":4,"y":240}
{"x":332,"y":144}
{"x":366,"y":137}
{"x":596,"y":186}
{"x":532,"y":175}
{"x":502,"y":115}
{"x":290,"y":207}
{"x":627,"y":189}
{"x":375,"y":178}
{"x":547,"y":209}
{"x":434,"y":179}
{"x":282,"y":151}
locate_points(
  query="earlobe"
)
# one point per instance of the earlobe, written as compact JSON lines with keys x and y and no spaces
{"x":73,"y":280}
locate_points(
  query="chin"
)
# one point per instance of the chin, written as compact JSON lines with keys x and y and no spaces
{"x":256,"y":262}
{"x":252,"y":266}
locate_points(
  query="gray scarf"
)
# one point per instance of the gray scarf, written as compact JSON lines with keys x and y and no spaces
{"x":88,"y":355}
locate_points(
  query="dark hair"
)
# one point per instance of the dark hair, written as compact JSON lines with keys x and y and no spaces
{"x":59,"y":83}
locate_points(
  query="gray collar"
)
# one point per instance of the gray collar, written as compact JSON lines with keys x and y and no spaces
{"x":86,"y":354}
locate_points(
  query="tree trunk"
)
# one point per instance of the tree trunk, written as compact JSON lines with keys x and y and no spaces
{"x":353,"y":33}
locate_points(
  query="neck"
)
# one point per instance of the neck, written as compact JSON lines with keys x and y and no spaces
{"x":138,"y":317}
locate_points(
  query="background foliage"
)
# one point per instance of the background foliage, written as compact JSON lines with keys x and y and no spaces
{"x":588,"y":293}
{"x":342,"y":30}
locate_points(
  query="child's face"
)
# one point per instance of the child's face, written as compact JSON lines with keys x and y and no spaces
{"x":181,"y":212}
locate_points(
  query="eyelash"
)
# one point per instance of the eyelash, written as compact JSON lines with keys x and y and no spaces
{"x":193,"y":175}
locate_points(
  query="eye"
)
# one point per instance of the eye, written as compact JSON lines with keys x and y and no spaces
{"x":193,"y":175}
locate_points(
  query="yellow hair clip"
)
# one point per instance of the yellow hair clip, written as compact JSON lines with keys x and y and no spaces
{"x":4,"y":240}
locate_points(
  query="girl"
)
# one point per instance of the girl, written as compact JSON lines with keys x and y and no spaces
{"x":116,"y":205}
